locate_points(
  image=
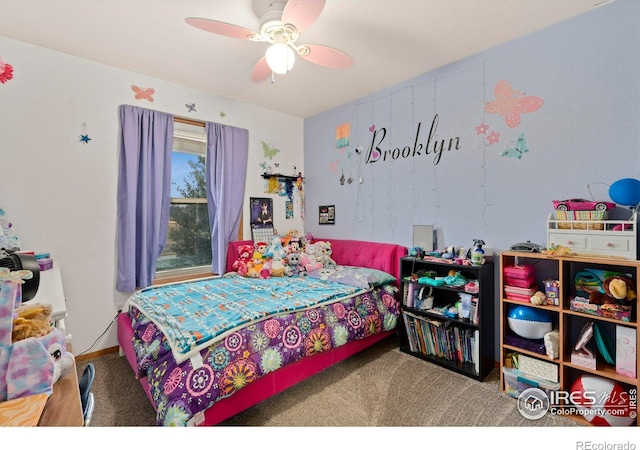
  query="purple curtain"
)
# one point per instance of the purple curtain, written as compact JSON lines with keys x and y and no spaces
{"x":144,"y":189}
{"x":227,"y":155}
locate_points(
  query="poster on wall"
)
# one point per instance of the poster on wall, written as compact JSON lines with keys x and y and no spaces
{"x":261,"y":219}
{"x":288,"y":208}
{"x":327,"y":215}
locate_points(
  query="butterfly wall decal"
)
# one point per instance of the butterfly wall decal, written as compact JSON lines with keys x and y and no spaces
{"x":191,"y":107}
{"x":269,"y":152}
{"x":517,"y":150}
{"x":333,"y":166}
{"x":143,"y":93}
{"x":511,"y":103}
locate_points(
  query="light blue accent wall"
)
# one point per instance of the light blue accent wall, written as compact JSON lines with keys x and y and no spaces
{"x":584,"y":137}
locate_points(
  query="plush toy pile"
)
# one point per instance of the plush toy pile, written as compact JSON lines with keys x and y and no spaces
{"x":33,"y":354}
{"x":290,"y":255}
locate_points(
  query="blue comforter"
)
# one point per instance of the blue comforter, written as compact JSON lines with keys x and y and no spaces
{"x":192,"y":315}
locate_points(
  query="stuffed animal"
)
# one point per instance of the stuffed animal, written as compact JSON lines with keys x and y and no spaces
{"x":33,"y":355}
{"x":309,"y":258}
{"x":539,"y":298}
{"x":277,"y":268}
{"x":293,"y":264}
{"x":240,"y":265}
{"x":325,"y":254}
{"x":617,"y":290}
{"x":31,"y":321}
{"x":255,"y":266}
{"x":275,"y":250}
{"x":294,"y":245}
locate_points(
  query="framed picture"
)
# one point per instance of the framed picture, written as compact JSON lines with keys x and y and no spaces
{"x":288,"y":208}
{"x":327,"y":215}
{"x":261,"y":211}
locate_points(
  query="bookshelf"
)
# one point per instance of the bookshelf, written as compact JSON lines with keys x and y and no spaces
{"x":569,"y":318}
{"x":462,"y":344}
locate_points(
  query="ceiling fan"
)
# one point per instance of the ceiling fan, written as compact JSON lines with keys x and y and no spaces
{"x":281,"y":22}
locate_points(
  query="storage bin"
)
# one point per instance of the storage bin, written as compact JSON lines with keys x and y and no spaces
{"x":538,"y":368}
{"x":516,"y":381}
{"x":585,"y":220}
{"x":520,"y":282}
{"x":520,"y":272}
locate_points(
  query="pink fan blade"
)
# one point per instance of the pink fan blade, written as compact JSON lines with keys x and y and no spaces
{"x":302,"y":13}
{"x":327,"y":56}
{"x":222,"y":28}
{"x":261,"y":70}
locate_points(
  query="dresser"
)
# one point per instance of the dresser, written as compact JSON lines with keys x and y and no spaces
{"x":616,"y":238}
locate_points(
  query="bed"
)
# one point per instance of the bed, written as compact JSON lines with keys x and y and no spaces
{"x":206,"y":379}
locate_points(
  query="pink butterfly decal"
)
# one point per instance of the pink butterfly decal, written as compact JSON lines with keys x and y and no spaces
{"x":6,"y":72}
{"x":334,"y":166}
{"x":511,"y":103}
{"x":143,"y":93}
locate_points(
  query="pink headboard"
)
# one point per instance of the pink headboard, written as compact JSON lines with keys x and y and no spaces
{"x":347,"y":252}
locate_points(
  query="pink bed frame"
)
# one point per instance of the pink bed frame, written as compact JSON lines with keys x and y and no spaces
{"x":345,"y":252}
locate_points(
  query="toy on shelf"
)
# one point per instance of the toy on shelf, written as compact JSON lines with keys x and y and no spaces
{"x":529,"y":323}
{"x":603,"y":402}
{"x":604,"y":293}
{"x":477,"y":254}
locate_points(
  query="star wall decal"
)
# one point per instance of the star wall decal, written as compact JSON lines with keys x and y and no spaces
{"x":84,"y":138}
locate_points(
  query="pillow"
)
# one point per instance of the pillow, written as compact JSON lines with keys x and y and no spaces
{"x":361,"y":277}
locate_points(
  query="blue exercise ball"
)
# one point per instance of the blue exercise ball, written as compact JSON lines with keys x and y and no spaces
{"x":625,"y":191}
{"x":529,"y":323}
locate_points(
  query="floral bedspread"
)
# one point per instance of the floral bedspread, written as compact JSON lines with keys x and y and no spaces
{"x":180,"y":391}
{"x":192,"y":314}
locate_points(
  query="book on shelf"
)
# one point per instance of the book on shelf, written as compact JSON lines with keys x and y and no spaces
{"x":442,"y":339}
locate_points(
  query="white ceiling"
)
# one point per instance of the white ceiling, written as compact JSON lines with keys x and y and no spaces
{"x":390,"y":41}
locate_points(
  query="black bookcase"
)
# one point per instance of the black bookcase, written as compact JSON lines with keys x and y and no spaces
{"x":461,"y":344}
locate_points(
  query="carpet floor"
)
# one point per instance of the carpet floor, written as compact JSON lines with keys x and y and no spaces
{"x":380,"y":387}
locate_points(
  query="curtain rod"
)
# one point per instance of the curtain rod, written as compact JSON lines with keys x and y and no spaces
{"x":196,"y":123}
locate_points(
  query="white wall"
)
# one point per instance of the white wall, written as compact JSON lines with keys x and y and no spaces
{"x":60,"y":194}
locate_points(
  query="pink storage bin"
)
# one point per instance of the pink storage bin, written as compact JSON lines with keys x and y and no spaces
{"x":518,"y":297}
{"x":520,"y":272}
{"x":519,"y":282}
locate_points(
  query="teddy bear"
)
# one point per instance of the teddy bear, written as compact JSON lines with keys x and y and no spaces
{"x":240,"y":265}
{"x":325,"y":254}
{"x":310,"y":258}
{"x":31,"y":321}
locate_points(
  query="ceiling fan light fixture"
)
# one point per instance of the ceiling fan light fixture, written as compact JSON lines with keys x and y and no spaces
{"x":280,"y":57}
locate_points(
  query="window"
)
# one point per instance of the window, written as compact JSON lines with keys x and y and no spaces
{"x":187,"y":250}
